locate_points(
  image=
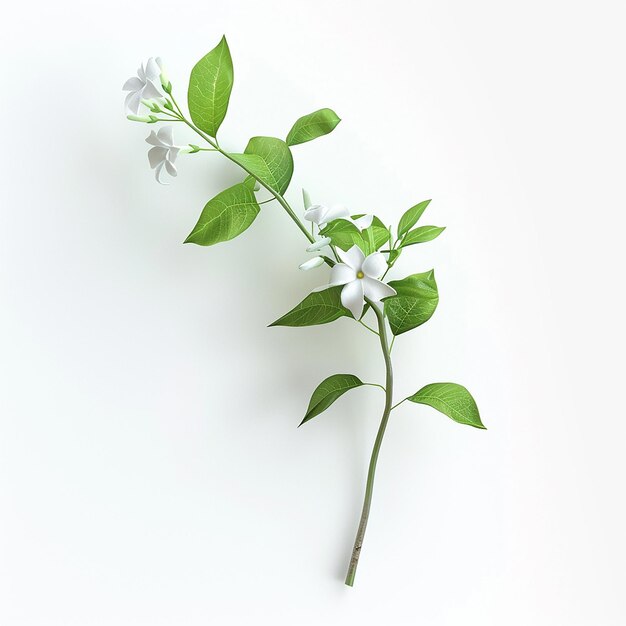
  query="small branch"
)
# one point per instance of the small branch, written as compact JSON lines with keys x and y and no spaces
{"x":368,"y":327}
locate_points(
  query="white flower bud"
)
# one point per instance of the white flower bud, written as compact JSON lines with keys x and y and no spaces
{"x":319,"y":244}
{"x":306,"y":199}
{"x":140,"y":118}
{"x":153,"y":105}
{"x":316,"y":261}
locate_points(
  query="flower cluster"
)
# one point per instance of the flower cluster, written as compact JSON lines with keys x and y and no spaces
{"x":149,"y":90}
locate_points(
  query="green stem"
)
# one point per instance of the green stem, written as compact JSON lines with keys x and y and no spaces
{"x":369,"y":488}
{"x":368,"y":327}
{"x":399,"y":403}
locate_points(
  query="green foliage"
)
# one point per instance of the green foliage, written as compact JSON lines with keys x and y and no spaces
{"x":345,"y":234}
{"x":250,"y":182}
{"x":421,"y":235}
{"x":268,"y":159}
{"x":319,"y":307}
{"x":416,"y":300}
{"x":393,"y":255}
{"x":312,"y":126}
{"x":328,"y":391}
{"x":452,"y":400}
{"x":210,"y":85}
{"x":225,"y":216}
{"x":409,"y":219}
{"x":375,"y":237}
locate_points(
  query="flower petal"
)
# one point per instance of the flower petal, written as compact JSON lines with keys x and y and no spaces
{"x":173,"y":154}
{"x":166,"y":135}
{"x":353,"y":257}
{"x":133,"y":101}
{"x":315,"y":213}
{"x":157,"y":156}
{"x":341,"y":274}
{"x":153,"y":71}
{"x":374,"y":265}
{"x":133,"y":84}
{"x":363,"y":222}
{"x":158,"y":172}
{"x":170,"y":167}
{"x":376,"y":290}
{"x":352,"y":297}
{"x":153,"y":140}
{"x":151,"y":91}
{"x":335,"y":212}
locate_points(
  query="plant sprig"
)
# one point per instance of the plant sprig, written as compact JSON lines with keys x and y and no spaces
{"x":364,"y":250}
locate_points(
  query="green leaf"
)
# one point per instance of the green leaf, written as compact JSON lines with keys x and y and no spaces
{"x":319,"y":307}
{"x":421,"y":234}
{"x":328,"y":391}
{"x":409,"y":219}
{"x":250,"y":182}
{"x":416,"y":300}
{"x":268,"y":159}
{"x":343,"y":234}
{"x":375,"y":237}
{"x":452,"y":400}
{"x":210,"y":85}
{"x":312,"y":126}
{"x":225,"y":216}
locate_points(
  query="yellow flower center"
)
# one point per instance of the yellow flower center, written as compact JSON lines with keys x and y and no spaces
{"x":360,"y":274}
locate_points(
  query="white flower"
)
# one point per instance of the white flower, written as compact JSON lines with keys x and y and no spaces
{"x":316,"y":261}
{"x":164,"y":152}
{"x":145,"y":86}
{"x":320,"y":215}
{"x":360,"y":276}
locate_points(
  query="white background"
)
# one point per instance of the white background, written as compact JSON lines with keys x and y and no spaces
{"x":151,"y":472}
